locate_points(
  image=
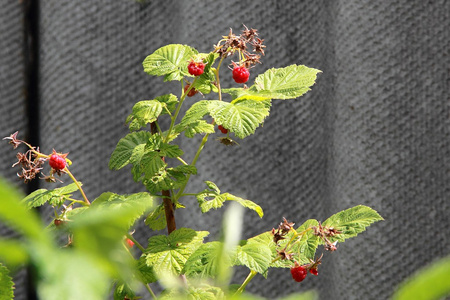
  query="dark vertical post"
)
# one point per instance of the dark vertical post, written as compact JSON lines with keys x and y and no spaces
{"x":31,"y":60}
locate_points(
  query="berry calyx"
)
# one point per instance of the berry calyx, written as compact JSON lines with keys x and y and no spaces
{"x":129,"y":243}
{"x":57,"y":162}
{"x":196,"y":68}
{"x":240,"y":74}
{"x":192,"y":92}
{"x":223,"y":129}
{"x":298,"y":273}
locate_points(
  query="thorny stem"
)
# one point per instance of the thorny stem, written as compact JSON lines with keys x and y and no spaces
{"x":78,"y":186}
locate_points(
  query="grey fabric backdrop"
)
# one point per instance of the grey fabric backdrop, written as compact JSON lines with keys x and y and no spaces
{"x":374,"y":130}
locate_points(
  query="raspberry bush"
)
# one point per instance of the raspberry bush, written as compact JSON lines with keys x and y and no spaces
{"x":101,"y":251}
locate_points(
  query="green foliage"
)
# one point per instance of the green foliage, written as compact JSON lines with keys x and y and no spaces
{"x":148,"y":111}
{"x":6,"y":284}
{"x":130,"y":149}
{"x":351,"y":221}
{"x":96,"y":254}
{"x":206,"y":261}
{"x":168,"y":254}
{"x":211,"y":198}
{"x":54,"y":197}
{"x":255,"y":256}
{"x":429,"y":283}
{"x":170,"y":61}
{"x":286,"y":83}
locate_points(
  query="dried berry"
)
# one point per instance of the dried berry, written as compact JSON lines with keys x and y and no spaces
{"x":57,"y":162}
{"x":196,"y":68}
{"x":192,"y":92}
{"x":240,"y":74}
{"x":298,"y":273}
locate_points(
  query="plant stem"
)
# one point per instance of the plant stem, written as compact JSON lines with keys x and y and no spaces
{"x":216,"y":72}
{"x":246,"y":281}
{"x":78,"y":186}
{"x":174,"y":118}
{"x":170,"y":211}
{"x":136,"y":242}
{"x":149,"y":289}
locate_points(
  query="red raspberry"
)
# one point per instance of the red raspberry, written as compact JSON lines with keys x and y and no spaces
{"x":223,"y":129}
{"x":57,"y":162}
{"x":130,"y":243}
{"x":192,"y":92}
{"x":196,"y":68}
{"x":314,"y":271}
{"x":298,"y":273}
{"x":240,"y":74}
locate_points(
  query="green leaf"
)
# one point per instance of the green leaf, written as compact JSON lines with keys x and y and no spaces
{"x":16,"y":215}
{"x":144,"y":112}
{"x":206,"y":261}
{"x":195,"y":113}
{"x":130,"y":149}
{"x":55,"y":197}
{"x":146,"y":274}
{"x":241,"y":117}
{"x":286,"y":83}
{"x":169,"y":150}
{"x":169,"y":102}
{"x":135,"y":204}
{"x":255,"y":256}
{"x":150,"y":164}
{"x":168,"y":254}
{"x":308,"y":243}
{"x":6,"y":284}
{"x":12,"y":252}
{"x":351,"y":221}
{"x":193,"y":128}
{"x":245,"y":203}
{"x":156,"y":220}
{"x":212,"y":199}
{"x":170,"y":61}
{"x":202,"y":292}
{"x":429,"y":283}
{"x":123,"y":291}
{"x":71,"y":275}
{"x":168,"y":179}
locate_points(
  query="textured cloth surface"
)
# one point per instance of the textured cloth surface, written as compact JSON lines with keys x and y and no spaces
{"x":374,"y":130}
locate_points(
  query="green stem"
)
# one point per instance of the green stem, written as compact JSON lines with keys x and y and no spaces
{"x":149,"y":289}
{"x":78,"y":186}
{"x":135,"y":242}
{"x":174,"y":118}
{"x":182,"y":161}
{"x":216,"y":72}
{"x":246,"y":281}
{"x":205,"y":138}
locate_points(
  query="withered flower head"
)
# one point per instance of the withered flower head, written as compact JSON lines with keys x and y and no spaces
{"x":286,"y":226}
{"x":13,"y":140}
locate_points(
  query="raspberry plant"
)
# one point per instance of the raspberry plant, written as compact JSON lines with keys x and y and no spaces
{"x":99,"y":233}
